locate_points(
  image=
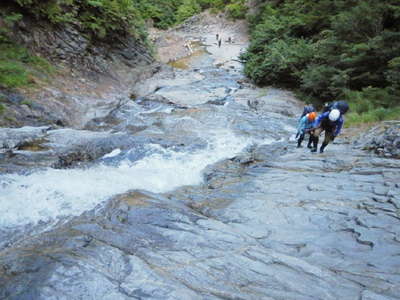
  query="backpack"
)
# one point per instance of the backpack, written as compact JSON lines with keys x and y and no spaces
{"x":327,"y":107}
{"x":341,"y":105}
{"x":307,"y":109}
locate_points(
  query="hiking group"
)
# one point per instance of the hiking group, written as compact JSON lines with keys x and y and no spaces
{"x":330,"y":120}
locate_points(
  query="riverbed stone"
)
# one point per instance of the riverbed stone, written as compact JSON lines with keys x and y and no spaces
{"x":270,"y":222}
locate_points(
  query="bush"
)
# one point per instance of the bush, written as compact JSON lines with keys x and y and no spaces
{"x":283,"y":62}
{"x":372,"y":105}
{"x":393,"y":74}
{"x":100,"y":18}
{"x":12,"y":74}
{"x":17,"y":65}
{"x":375,"y":97}
{"x":2,"y":109}
{"x":372,"y":116}
{"x":329,"y":49}
{"x":237,"y":10}
{"x":323,"y":81}
{"x":187,"y":9}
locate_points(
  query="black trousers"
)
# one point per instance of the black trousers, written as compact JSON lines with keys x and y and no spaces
{"x":301,"y":138}
{"x":328,"y":137}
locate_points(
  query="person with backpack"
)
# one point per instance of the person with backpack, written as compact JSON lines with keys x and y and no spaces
{"x":305,"y":125}
{"x":331,"y":122}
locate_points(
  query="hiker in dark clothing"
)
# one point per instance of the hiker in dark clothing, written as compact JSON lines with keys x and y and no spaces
{"x":331,"y":122}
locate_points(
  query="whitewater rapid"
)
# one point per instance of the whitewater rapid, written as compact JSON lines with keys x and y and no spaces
{"x":52,"y":193}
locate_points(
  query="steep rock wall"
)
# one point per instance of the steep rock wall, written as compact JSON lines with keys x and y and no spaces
{"x":89,"y":73}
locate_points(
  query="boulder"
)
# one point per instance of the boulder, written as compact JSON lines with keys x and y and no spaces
{"x":383,"y":139}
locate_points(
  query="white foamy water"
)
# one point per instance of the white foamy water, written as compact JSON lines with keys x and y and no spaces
{"x":113,"y":153}
{"x":48,"y":194}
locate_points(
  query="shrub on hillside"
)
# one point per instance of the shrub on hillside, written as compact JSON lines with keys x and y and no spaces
{"x":237,"y":10}
{"x":323,"y":49}
{"x":187,"y":9}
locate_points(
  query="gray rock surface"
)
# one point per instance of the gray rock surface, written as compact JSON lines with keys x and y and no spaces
{"x":269,"y":222}
{"x":12,"y":138}
{"x":383,"y":139}
{"x":254,"y":230}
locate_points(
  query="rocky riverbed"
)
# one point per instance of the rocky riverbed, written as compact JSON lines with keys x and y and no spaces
{"x":195,"y":190}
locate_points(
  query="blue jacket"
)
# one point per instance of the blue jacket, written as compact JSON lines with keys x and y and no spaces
{"x":337,"y":125}
{"x":304,"y":124}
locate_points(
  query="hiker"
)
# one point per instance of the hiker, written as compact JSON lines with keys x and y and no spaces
{"x":305,"y":125}
{"x":217,"y":36}
{"x":331,"y":122}
{"x":219,"y":42}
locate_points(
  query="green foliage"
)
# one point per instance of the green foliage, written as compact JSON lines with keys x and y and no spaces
{"x":106,"y":20}
{"x":283,"y":61}
{"x":2,"y":108}
{"x":27,"y":103}
{"x":16,"y":64}
{"x":372,"y":116}
{"x":12,"y":74}
{"x":372,"y":105}
{"x":370,"y":98}
{"x":8,"y":20}
{"x":168,"y":13}
{"x":163,"y":13}
{"x":237,"y":10}
{"x":187,"y":9}
{"x":12,"y":18}
{"x":392,"y":74}
{"x":101,"y":18}
{"x":323,"y":80}
{"x":329,"y":49}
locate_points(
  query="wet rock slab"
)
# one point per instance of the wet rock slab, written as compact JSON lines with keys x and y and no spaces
{"x":31,"y":147}
{"x":272,"y":222}
{"x":268,"y":224}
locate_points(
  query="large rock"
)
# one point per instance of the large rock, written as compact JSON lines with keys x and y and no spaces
{"x":12,"y":138}
{"x":68,"y":44}
{"x":24,"y":148}
{"x":383,"y":139}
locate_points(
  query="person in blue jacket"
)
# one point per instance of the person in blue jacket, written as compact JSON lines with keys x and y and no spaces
{"x":306,"y":123}
{"x":331,"y":122}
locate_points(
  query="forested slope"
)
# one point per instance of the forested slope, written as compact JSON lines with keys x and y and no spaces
{"x":328,"y":50}
{"x":107,"y":23}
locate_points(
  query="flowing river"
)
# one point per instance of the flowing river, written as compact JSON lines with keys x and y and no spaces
{"x":196,"y":191}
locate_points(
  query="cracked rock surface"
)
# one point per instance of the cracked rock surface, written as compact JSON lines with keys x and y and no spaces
{"x":269,"y":221}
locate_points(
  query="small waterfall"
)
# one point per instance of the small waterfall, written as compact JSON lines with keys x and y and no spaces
{"x":52,"y":193}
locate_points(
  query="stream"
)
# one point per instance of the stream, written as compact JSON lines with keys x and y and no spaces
{"x":196,"y":191}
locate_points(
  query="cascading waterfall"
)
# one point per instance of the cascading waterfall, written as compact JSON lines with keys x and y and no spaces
{"x":53,"y":193}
